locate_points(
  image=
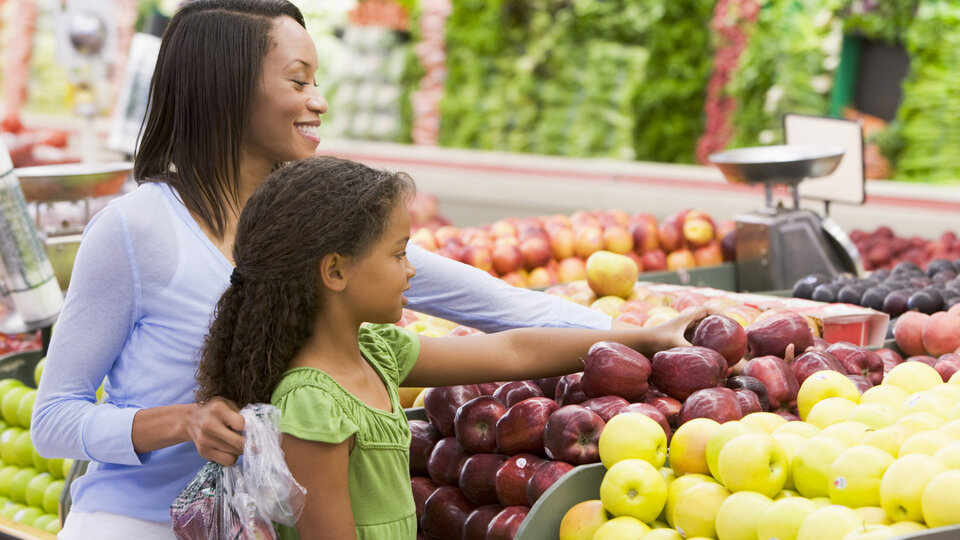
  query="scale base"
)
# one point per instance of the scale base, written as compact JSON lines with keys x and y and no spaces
{"x":775,"y":248}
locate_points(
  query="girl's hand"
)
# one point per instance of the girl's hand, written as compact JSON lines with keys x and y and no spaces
{"x":670,"y":334}
{"x":216,"y":429}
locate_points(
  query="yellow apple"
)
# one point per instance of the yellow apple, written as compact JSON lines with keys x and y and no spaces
{"x":782,"y":519}
{"x":875,"y":415}
{"x":903,"y":483}
{"x":888,"y":394}
{"x":954,"y":413}
{"x":609,"y":305}
{"x":418,"y":401}
{"x":914,"y":423}
{"x":949,"y":391}
{"x":611,"y":273}
{"x":622,"y":528}
{"x":926,"y":442}
{"x":855,"y":476}
{"x":739,"y":513}
{"x":949,"y":455}
{"x":810,"y":468}
{"x":927,"y":401}
{"x":632,"y":435}
{"x":804,"y":429}
{"x":870,"y":532}
{"x":786,"y":493}
{"x":408,"y":394}
{"x":849,"y":431}
{"x":907,"y":527}
{"x":951,"y":428}
{"x":874,"y":515}
{"x":663,"y":534}
{"x":822,"y":385}
{"x":696,"y":510}
{"x":888,"y":438}
{"x":767,"y":421}
{"x":939,"y":502}
{"x":829,"y":411}
{"x":677,"y":487}
{"x":829,"y":523}
{"x":633,"y":487}
{"x":754,"y":462}
{"x":954,"y":379}
{"x":790,"y":442}
{"x":720,"y":437}
{"x":688,"y":446}
{"x":582,"y":520}
{"x":913,"y":377}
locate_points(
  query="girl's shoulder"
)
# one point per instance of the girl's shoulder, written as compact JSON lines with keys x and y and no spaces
{"x":393,"y":349}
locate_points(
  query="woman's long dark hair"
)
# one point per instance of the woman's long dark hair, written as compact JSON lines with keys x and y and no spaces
{"x":209,"y":65}
{"x":302,"y":212}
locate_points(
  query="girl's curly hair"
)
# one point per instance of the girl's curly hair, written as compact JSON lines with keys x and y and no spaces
{"x":301,"y":212}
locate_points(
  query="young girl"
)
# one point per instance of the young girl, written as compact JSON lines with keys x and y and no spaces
{"x":320,"y":250}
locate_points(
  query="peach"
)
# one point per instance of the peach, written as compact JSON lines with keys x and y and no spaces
{"x":710,"y":254}
{"x":654,"y":260}
{"x":540,"y":277}
{"x":645,"y":234}
{"x":588,"y":239}
{"x":681,"y":258}
{"x":670,"y":234}
{"x":424,"y":238}
{"x":516,"y":278}
{"x":561,"y":241}
{"x":617,"y":238}
{"x":908,"y":332}
{"x":941,"y":333}
{"x":697,"y":231}
{"x":954,"y":310}
{"x":571,"y":269}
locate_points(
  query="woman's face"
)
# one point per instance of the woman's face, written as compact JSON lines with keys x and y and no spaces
{"x":285,"y":114}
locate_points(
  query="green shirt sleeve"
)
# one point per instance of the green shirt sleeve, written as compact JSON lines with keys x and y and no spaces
{"x":312,"y":413}
{"x":400,"y":344}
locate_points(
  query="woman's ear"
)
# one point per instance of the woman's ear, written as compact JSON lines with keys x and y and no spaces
{"x":333,"y":273}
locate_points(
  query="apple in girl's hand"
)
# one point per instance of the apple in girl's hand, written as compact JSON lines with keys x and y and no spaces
{"x":753,"y":384}
{"x":680,"y":371}
{"x":717,"y":403}
{"x":669,"y":407}
{"x":548,"y":386}
{"x":777,"y":378}
{"x":441,"y":403}
{"x":858,"y":360}
{"x":446,"y":460}
{"x":605,"y":406}
{"x":505,"y":524}
{"x":445,"y":512}
{"x":475,"y":424}
{"x":570,"y":390}
{"x":423,"y":437}
{"x":514,"y":392}
{"x":571,"y":434}
{"x":512,"y":478}
{"x":478,"y":477}
{"x":612,"y":368}
{"x":475,"y":528}
{"x":546,"y":475}
{"x":422,"y":488}
{"x":520,"y":429}
{"x":653,"y":412}
{"x":813,"y":361}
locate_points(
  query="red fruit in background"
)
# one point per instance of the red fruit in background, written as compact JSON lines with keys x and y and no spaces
{"x":718,"y":403}
{"x":858,"y":360}
{"x":505,"y":524}
{"x":612,"y":368}
{"x":653,"y":412}
{"x":670,"y":234}
{"x":475,"y":528}
{"x":475,"y":424}
{"x":478,"y":477}
{"x":605,"y":406}
{"x":520,"y":429}
{"x":645,"y":235}
{"x":478,"y":256}
{"x":777,"y":378}
{"x":423,"y":437}
{"x":654,"y":260}
{"x":749,"y":401}
{"x":941,"y":333}
{"x":445,"y":512}
{"x":569,"y":390}
{"x":786,"y":415}
{"x":422,"y":489}
{"x":512,"y":478}
{"x":546,"y":476}
{"x":446,"y":460}
{"x":669,"y":407}
{"x":813,"y":361}
{"x":487,"y":389}
{"x":772,"y":335}
{"x":11,"y":124}
{"x":56,"y":139}
{"x":536,"y":251}
{"x":925,"y":358}
{"x":862,"y":383}
{"x":572,"y":433}
{"x":514,"y":392}
{"x":548,"y":386}
{"x":889,"y":355}
{"x":506,"y":258}
{"x":681,"y":371}
{"x":441,"y":403}
{"x":724,"y":335}
{"x":753,"y":384}
{"x":947,"y":365}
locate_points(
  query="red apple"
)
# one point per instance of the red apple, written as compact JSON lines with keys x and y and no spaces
{"x":653,"y":412}
{"x":717,"y":403}
{"x":445,"y":512}
{"x":670,"y":234}
{"x":669,"y":407}
{"x":536,"y":251}
{"x":569,"y":390}
{"x":680,"y":371}
{"x":475,"y":528}
{"x":645,"y":234}
{"x":548,"y":386}
{"x":423,"y":437}
{"x":777,"y":378}
{"x":710,"y":254}
{"x":571,"y":269}
{"x":749,"y":402}
{"x":506,"y":258}
{"x":478,"y":478}
{"x":545,"y":477}
{"x":512,"y":478}
{"x":862,"y":383}
{"x":681,"y":258}
{"x":475,"y":424}
{"x":514,"y":392}
{"x":858,"y":360}
{"x":654,"y":260}
{"x":447,"y":233}
{"x":572,"y":433}
{"x":478,"y":256}
{"x":813,"y":361}
{"x":587,"y":240}
{"x":561,"y":241}
{"x":422,"y":488}
{"x":889,"y":356}
{"x":446,"y":460}
{"x":772,"y":335}
{"x":925,"y":358}
{"x":505,"y":524}
{"x":487,"y":389}
{"x":520,"y":429}
{"x":605,"y":406}
{"x":424,"y":238}
{"x":441,"y":403}
{"x":722,"y":334}
{"x":753,"y":384}
{"x":947,"y":365}
{"x":612,"y":368}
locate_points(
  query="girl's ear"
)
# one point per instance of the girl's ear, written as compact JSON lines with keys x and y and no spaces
{"x":333,"y":272}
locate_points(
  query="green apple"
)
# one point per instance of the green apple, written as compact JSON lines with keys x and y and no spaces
{"x":9,"y":384}
{"x":688,"y":446}
{"x":790,"y":442}
{"x":810,"y":468}
{"x":754,"y":462}
{"x":27,"y":515}
{"x":782,"y":519}
{"x":767,"y":421}
{"x":926,"y":442}
{"x":25,"y":408}
{"x":10,"y":509}
{"x":8,"y":449}
{"x":51,"y":497}
{"x":23,"y":449}
{"x":903,"y":483}
{"x":874,"y":515}
{"x":623,"y":527}
{"x":829,"y":523}
{"x":663,"y":534}
{"x":65,"y":467}
{"x":870,"y":532}
{"x":848,"y":431}
{"x":927,"y":401}
{"x":6,"y":476}
{"x":36,"y":488}
{"x":804,"y":429}
{"x":939,"y":502}
{"x":829,"y":411}
{"x":11,"y":402}
{"x":633,"y":487}
{"x":720,"y":437}
{"x":677,"y":487}
{"x":855,"y":476}
{"x":822,"y":385}
{"x":580,"y":522}
{"x":875,"y":415}
{"x":949,"y":455}
{"x":18,"y":484}
{"x":38,"y":371}
{"x":887,"y":394}
{"x":738,"y":515}
{"x":632,"y":435}
{"x":53,"y":527}
{"x":39,"y":462}
{"x":919,"y":421}
{"x":888,"y":438}
{"x":43,"y":520}
{"x":696,"y":510}
{"x":54,"y":466}
{"x":913,"y":377}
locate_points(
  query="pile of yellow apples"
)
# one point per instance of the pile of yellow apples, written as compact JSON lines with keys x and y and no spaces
{"x":857,"y":467}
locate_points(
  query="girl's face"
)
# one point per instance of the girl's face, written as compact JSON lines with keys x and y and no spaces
{"x":285,"y":113}
{"x":378,"y":279}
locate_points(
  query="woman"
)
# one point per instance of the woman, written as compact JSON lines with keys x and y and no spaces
{"x":232,"y":98}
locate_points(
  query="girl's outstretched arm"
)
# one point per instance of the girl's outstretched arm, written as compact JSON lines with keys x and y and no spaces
{"x":529,"y":353}
{"x":321,"y":468}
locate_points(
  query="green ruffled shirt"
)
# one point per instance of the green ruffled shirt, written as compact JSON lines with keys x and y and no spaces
{"x":315,"y":407}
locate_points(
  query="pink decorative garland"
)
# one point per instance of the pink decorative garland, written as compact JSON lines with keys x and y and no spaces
{"x":126,"y":19}
{"x":432,"y":54}
{"x":16,"y":56}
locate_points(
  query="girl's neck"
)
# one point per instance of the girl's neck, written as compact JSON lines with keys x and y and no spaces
{"x":333,"y":346}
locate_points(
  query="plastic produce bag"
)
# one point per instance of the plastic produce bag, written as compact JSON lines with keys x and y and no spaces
{"x":243,"y":501}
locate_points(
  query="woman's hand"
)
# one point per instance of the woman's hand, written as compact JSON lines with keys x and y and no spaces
{"x":216,"y":429}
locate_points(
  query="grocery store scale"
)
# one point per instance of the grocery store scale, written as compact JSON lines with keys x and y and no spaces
{"x":777,"y":245}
